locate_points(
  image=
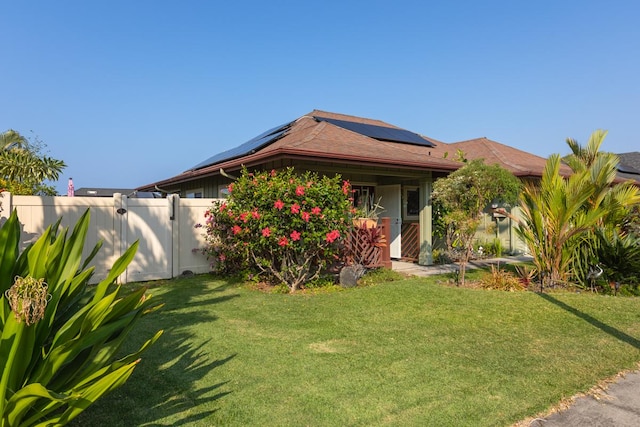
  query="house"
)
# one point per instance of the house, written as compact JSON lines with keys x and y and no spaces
{"x":629,"y":166}
{"x":381,"y":161}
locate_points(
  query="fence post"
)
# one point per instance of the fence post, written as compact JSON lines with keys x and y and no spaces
{"x":174,"y":224}
{"x":386,"y":249}
{"x":120,"y":222}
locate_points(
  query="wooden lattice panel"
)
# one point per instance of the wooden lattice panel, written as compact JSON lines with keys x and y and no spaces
{"x":410,"y":241}
{"x":362,"y":250}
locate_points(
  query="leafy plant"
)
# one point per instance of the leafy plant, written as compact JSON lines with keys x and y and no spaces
{"x":60,"y":338}
{"x":287,"y":226}
{"x":501,"y":280}
{"x":560,"y":215}
{"x":525,"y":273}
{"x":365,"y":245}
{"x":619,"y":254}
{"x":369,"y":209}
{"x":492,"y":248}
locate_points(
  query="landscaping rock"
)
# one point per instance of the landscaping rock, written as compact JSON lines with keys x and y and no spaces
{"x":350,"y":274}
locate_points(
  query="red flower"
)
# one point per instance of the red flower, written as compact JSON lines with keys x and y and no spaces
{"x":305,"y":216}
{"x":283,"y":241}
{"x":273,"y":173}
{"x":295,"y":235}
{"x":255,"y":214}
{"x":295,"y":208}
{"x":345,"y":187}
{"x":266,"y":232}
{"x":278,"y":204}
{"x":316,"y":210}
{"x":230,"y":187}
{"x":243,"y":217}
{"x":332,"y":236}
{"x":223,"y":207}
{"x":299,"y":190}
{"x":222,"y":257}
{"x":236,"y":229}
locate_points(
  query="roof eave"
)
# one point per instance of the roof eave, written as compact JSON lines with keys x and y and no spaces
{"x":261,"y":157}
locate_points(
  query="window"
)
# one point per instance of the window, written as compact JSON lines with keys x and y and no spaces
{"x":195,"y":194}
{"x":411,"y":203}
{"x":362,"y":194}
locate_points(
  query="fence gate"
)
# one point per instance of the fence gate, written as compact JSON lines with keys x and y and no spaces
{"x":150,"y":222}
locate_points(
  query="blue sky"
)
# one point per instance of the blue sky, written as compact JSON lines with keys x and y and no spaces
{"x":131,"y":92}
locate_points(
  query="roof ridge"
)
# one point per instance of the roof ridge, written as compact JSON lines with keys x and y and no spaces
{"x":355,"y":119}
{"x":497,"y":153}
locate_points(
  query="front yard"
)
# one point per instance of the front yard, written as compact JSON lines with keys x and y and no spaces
{"x":411,"y":352}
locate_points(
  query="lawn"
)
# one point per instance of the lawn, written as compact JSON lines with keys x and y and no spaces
{"x":412,"y":353}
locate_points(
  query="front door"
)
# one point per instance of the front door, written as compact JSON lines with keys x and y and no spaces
{"x":390,"y":200}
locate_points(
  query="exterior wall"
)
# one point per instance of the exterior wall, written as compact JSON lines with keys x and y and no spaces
{"x":165,"y":229}
{"x":502,"y":228}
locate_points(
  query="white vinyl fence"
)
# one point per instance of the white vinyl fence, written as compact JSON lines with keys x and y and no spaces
{"x":165,"y":229}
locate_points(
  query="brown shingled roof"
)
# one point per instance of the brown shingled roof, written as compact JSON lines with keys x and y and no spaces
{"x":310,"y":139}
{"x":518,"y":162}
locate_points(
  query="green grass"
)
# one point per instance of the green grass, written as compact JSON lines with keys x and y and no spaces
{"x":404,"y":353}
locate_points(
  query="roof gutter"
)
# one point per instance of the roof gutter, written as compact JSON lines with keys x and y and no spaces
{"x":260,"y":157}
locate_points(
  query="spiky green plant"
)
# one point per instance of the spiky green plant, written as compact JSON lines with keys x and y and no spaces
{"x":60,"y":337}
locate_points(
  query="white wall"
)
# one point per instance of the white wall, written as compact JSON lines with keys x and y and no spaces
{"x":165,"y":228}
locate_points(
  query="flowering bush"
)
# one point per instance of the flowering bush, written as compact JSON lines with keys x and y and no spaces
{"x":287,"y":226}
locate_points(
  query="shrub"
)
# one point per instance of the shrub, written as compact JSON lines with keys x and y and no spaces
{"x":526,"y":274}
{"x":59,"y":337}
{"x":289,"y":227}
{"x":501,"y":280}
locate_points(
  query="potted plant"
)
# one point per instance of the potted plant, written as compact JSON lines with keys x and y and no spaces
{"x":366,"y":216}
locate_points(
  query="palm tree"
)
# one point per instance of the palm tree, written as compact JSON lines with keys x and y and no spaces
{"x":22,"y":168}
{"x":12,"y":139}
{"x":615,"y":200}
{"x":553,"y":215}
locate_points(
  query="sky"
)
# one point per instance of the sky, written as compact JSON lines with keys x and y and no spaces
{"x":128,"y":93}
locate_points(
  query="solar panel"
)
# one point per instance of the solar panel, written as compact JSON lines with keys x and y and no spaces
{"x":248,"y":147}
{"x":380,"y":132}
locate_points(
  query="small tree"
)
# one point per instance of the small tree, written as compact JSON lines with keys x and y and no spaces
{"x":465,"y":194}
{"x":287,"y":226}
{"x":23,"y":166}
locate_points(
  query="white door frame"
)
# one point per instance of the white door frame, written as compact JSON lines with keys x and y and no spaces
{"x":391,"y":201}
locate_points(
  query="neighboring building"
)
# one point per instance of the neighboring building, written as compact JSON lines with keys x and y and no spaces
{"x":379,"y":159}
{"x":629,"y":167}
{"x":109,"y":192}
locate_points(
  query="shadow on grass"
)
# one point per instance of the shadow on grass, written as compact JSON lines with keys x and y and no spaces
{"x":170,"y":381}
{"x":616,"y":333}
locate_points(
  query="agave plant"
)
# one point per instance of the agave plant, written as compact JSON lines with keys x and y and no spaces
{"x":60,"y":337}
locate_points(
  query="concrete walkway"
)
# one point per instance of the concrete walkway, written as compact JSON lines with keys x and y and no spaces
{"x":615,"y":403}
{"x":428,"y":270}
